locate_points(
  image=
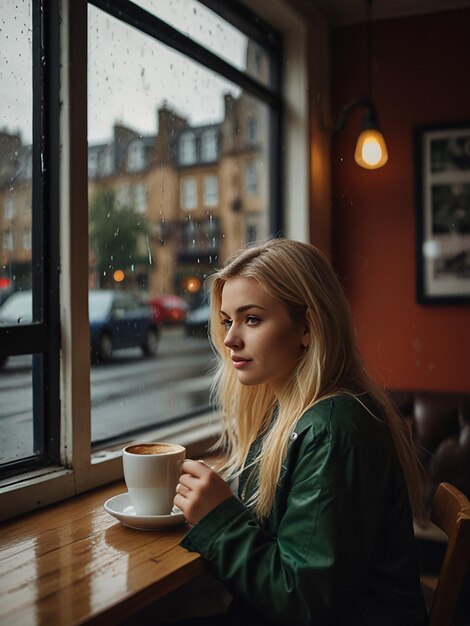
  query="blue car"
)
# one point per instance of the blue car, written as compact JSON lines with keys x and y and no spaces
{"x":117,"y":320}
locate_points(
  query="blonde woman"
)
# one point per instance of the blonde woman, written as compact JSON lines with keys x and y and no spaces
{"x":321,"y":530}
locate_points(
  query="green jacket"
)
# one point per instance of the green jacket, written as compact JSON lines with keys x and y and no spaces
{"x":338,"y":546}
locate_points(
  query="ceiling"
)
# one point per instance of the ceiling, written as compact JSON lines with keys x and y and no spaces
{"x":351,"y":11}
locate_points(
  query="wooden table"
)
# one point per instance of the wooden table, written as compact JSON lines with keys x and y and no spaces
{"x":73,"y":563}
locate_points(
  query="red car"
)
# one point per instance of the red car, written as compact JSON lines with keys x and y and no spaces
{"x":168,"y":309}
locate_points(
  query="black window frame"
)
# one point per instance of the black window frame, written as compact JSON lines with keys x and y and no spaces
{"x":41,"y":338}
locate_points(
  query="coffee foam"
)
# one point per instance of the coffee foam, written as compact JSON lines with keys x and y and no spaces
{"x":152,"y":448}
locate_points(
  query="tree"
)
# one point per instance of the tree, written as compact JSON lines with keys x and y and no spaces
{"x":114,"y":234}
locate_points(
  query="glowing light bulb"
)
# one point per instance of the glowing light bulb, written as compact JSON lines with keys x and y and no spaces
{"x":371,"y":150}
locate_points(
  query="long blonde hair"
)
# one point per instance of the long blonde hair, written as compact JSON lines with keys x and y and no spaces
{"x":302,"y":279}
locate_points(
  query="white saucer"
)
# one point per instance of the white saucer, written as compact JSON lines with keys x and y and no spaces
{"x":121,"y":508}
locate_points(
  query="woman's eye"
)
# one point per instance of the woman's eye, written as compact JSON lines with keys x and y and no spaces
{"x":252,"y":320}
{"x":226,"y":324}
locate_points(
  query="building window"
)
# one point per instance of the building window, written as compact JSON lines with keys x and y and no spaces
{"x":252,"y":130}
{"x":201,"y":237}
{"x":211,"y":191}
{"x":9,"y":208}
{"x":251,"y":231}
{"x":211,"y":232}
{"x":136,"y":156}
{"x":251,"y":179}
{"x":27,"y":238}
{"x":140,"y":198}
{"x":92,"y":163}
{"x":187,"y":149}
{"x":188,"y":194}
{"x":26,"y":164}
{"x":107,"y":161}
{"x":209,"y":145}
{"x":123,"y":197}
{"x":8,"y":240}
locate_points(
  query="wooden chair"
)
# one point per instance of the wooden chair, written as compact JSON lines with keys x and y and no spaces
{"x":451,"y":513}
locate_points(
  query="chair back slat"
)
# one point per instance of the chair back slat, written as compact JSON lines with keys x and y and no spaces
{"x":451,"y":513}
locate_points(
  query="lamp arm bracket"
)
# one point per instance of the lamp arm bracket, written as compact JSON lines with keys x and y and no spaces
{"x":362,"y":102}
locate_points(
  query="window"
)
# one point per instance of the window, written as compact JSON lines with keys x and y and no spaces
{"x":27,"y":238}
{"x":209,"y":145}
{"x":211,"y":191}
{"x":107,"y":161}
{"x":136,"y":156}
{"x":140,"y":198}
{"x":251,"y":179}
{"x":200,"y":238}
{"x":252,"y":130}
{"x":188,"y":193}
{"x":188,"y":114}
{"x":252,"y":229}
{"x":8,"y":240}
{"x":257,"y":55}
{"x":187,"y":149}
{"x":92,"y":163}
{"x":29,"y":173}
{"x":123,"y":197}
{"x":9,"y":211}
{"x":202,"y":25}
{"x":133,"y":235}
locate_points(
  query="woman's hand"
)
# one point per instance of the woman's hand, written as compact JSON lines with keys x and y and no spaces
{"x":199,"y":490}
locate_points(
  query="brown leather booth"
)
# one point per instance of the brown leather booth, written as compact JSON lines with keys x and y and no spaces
{"x":441,"y":428}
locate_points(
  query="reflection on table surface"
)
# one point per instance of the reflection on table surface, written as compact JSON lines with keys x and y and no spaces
{"x":73,"y":563}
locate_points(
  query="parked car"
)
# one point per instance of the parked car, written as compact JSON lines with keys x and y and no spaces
{"x":117,"y":320}
{"x":6,"y":289}
{"x":168,"y":309}
{"x":197,"y":320}
{"x":17,"y":309}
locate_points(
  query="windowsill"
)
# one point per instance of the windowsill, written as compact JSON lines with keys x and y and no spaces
{"x":16,"y":482}
{"x":39,"y":488}
{"x":196,"y":434}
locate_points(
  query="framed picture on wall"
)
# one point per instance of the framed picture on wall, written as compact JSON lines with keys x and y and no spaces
{"x":442,"y":162}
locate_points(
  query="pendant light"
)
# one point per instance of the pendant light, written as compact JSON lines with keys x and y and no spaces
{"x":371,"y":149}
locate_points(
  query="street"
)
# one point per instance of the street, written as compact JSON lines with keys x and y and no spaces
{"x":130,"y":392}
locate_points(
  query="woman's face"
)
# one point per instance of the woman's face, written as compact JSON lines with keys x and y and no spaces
{"x":264,"y":343}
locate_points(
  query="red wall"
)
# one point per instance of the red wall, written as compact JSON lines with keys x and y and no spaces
{"x":421,"y":74}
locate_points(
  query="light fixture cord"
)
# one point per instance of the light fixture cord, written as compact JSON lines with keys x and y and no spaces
{"x":369,"y":48}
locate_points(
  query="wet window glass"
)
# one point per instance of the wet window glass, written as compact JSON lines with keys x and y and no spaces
{"x":214,"y":33}
{"x":15,"y":150}
{"x":18,"y":437}
{"x":176,"y":184}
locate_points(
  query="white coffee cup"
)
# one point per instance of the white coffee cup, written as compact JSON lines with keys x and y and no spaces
{"x":151,"y":472}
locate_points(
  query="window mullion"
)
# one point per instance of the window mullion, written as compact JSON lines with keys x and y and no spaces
{"x":24,"y":339}
{"x":75,"y":361}
{"x":50,"y":367}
